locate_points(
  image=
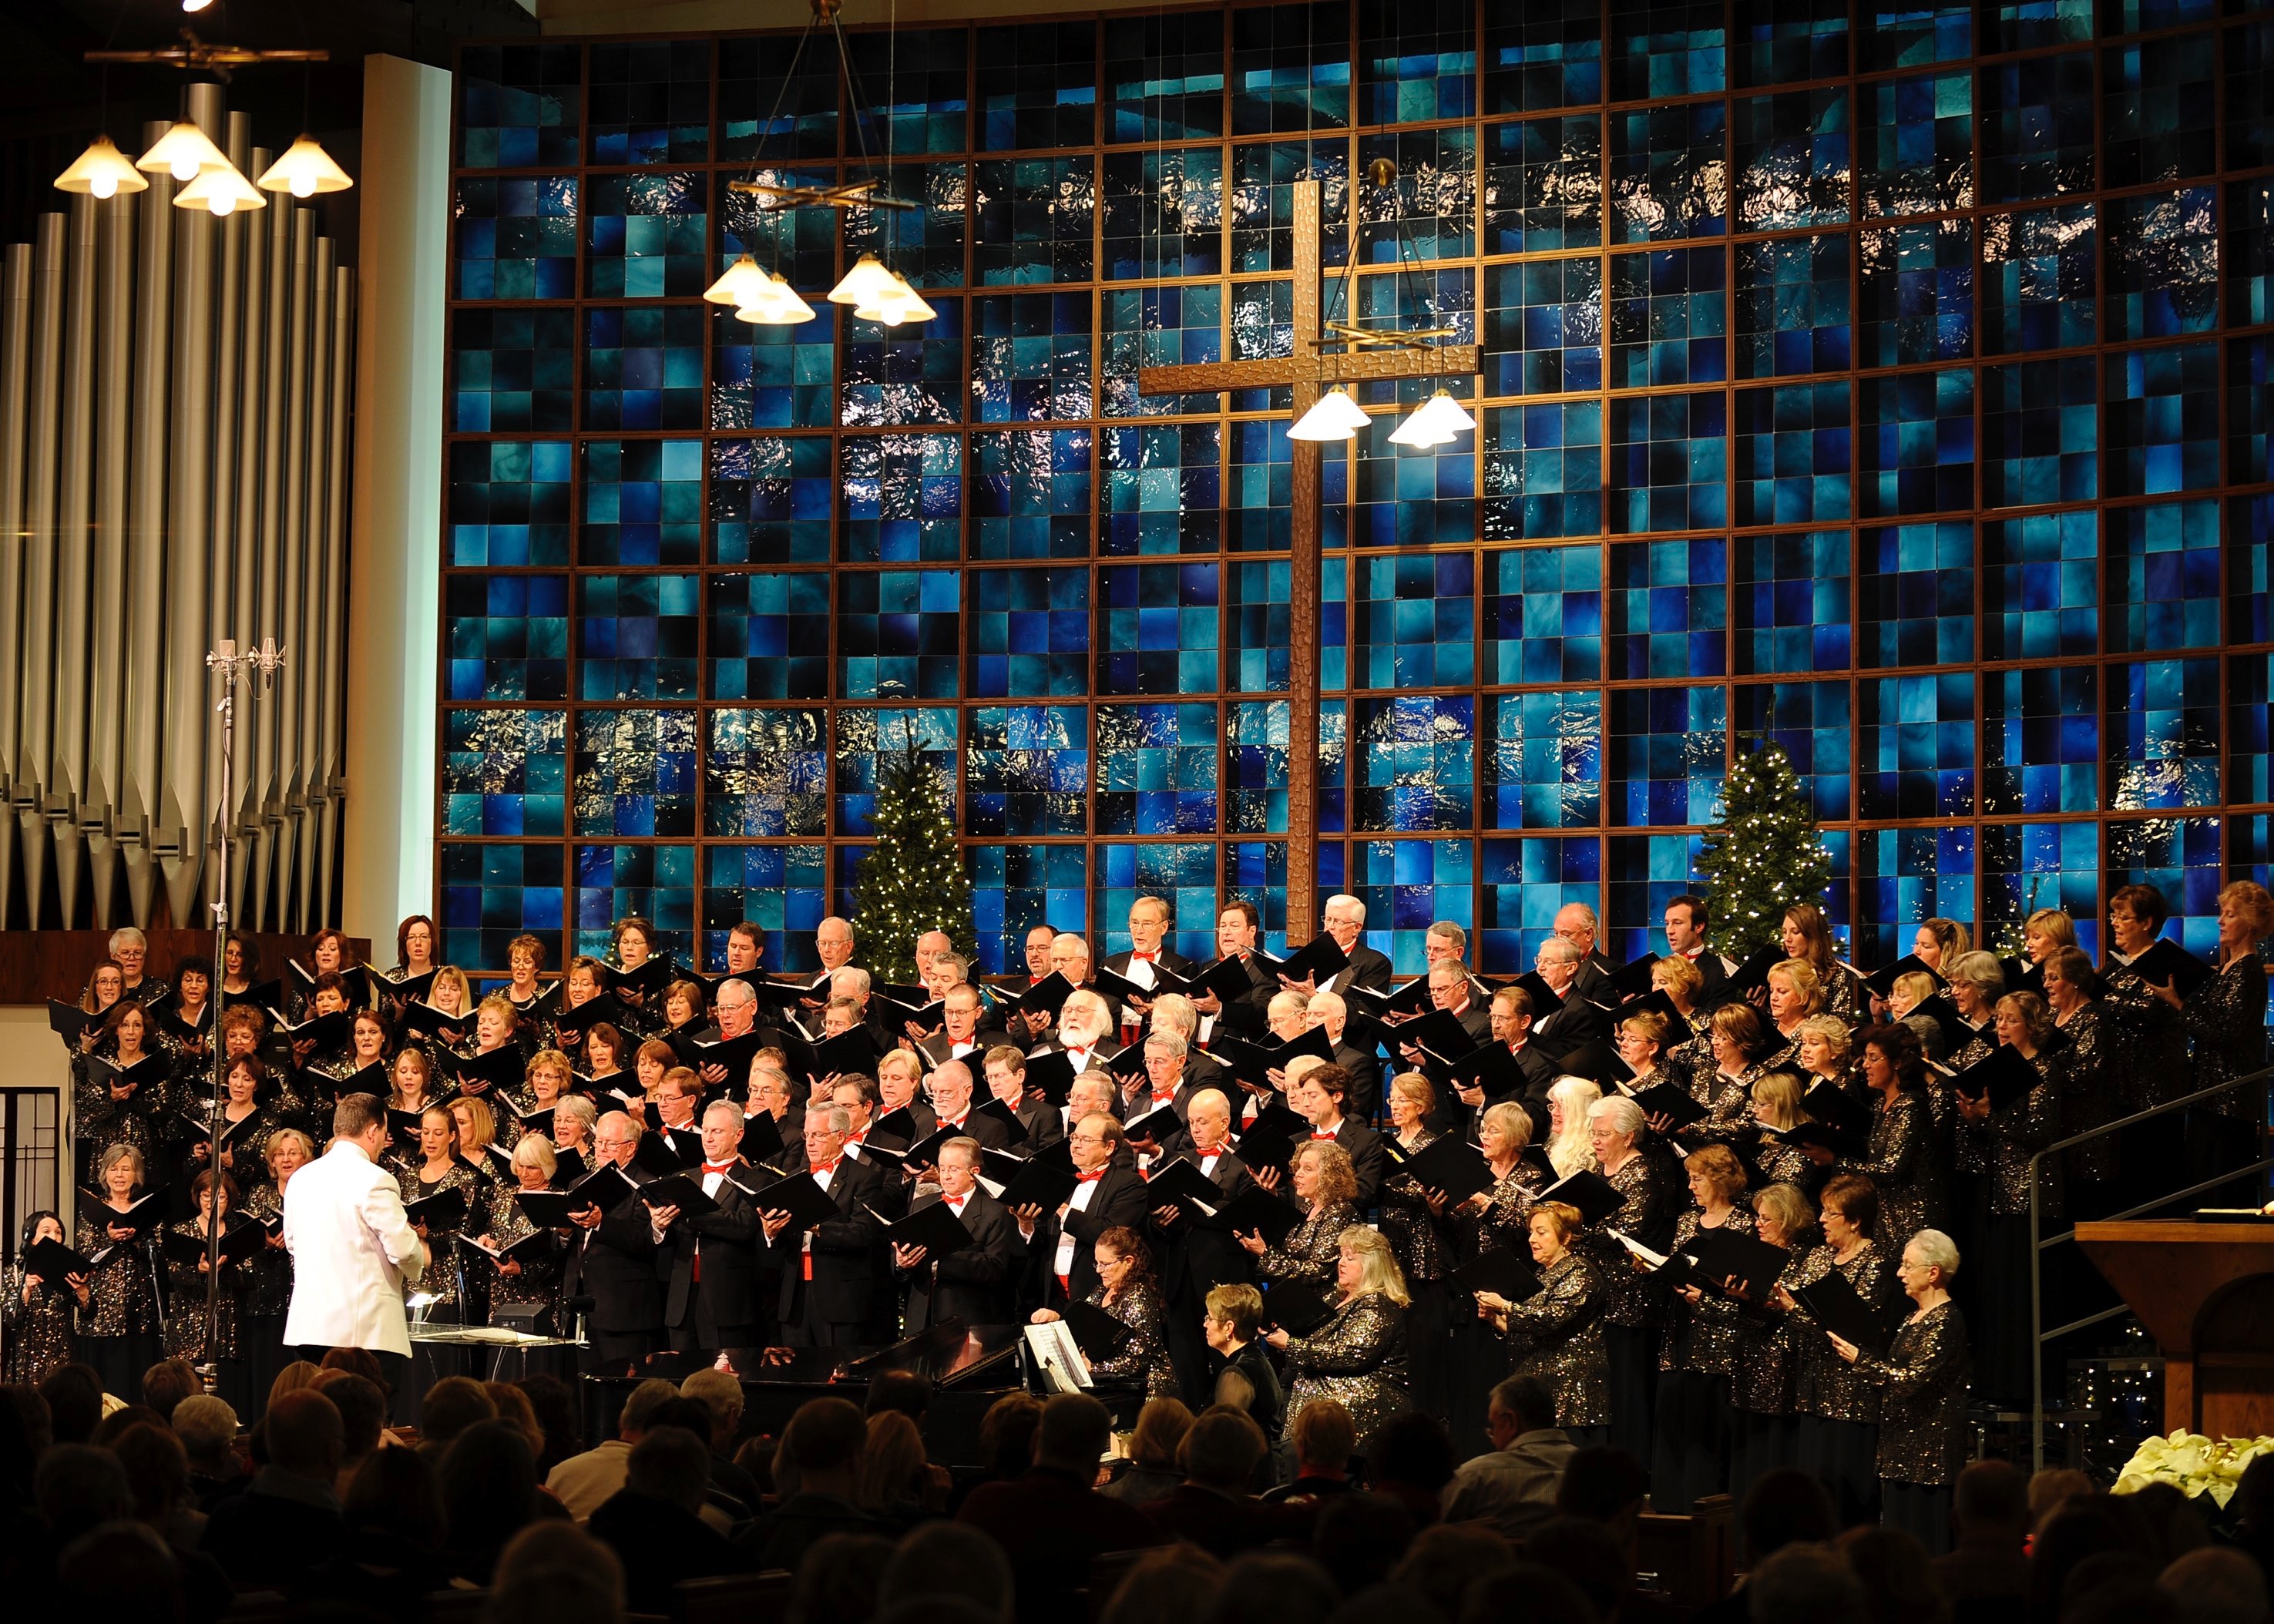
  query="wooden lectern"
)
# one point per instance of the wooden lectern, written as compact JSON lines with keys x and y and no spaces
{"x":2205,"y":1292}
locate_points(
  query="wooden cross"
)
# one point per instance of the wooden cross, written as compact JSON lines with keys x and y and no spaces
{"x":1308,"y":370}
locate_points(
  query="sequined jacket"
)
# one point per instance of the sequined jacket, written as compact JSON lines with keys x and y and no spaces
{"x":121,"y":1299}
{"x":99,"y":1122}
{"x":1414,"y":1231}
{"x":185,"y":1299}
{"x":1728,"y":1102}
{"x":1921,"y":1382}
{"x":1357,"y":1356}
{"x":1311,"y":1247}
{"x":539,"y":1280}
{"x":2148,"y":1038}
{"x":1558,"y":1337}
{"x":1900,"y":1163}
{"x":1500,"y":1225}
{"x":268,"y":1272}
{"x":2089,"y":1090}
{"x":1825,"y":1384}
{"x":1971,"y":1152}
{"x":441,"y":1280}
{"x":1647,"y":1217}
{"x":1779,"y":1163}
{"x":39,"y":1331}
{"x":1146,"y":1355}
{"x":1702,"y":1337}
{"x":2227,"y":1015}
{"x":2002,"y":1146}
{"x":1844,"y":992}
{"x":1763,"y":1373}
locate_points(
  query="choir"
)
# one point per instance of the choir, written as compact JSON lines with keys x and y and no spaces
{"x":1733,"y":1216}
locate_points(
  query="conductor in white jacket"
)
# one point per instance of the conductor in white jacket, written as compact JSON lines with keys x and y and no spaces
{"x":352,"y":1246}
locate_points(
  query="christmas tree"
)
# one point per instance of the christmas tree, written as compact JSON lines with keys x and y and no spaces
{"x":912,"y":880}
{"x":1763,"y":856}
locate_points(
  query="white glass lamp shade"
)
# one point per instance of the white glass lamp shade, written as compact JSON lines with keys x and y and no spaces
{"x":219,"y":192}
{"x":740,"y":284}
{"x":304,"y":170}
{"x":184,"y":151}
{"x":865,"y":283}
{"x":101,"y":171}
{"x":775,"y":304}
{"x":1336,"y":417}
{"x":1437,"y":421}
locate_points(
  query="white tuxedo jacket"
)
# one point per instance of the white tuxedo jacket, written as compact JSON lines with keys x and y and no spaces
{"x":352,"y":1247}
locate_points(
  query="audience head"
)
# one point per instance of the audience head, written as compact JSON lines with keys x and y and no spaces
{"x":304,"y":1436}
{"x":947,"y":1562}
{"x":1583,"y":1552}
{"x":1786,"y":1505}
{"x":166,"y":1383}
{"x":79,"y":1487}
{"x":2217,"y":1585}
{"x":909,"y":1392}
{"x":1527,"y":1591}
{"x":487,"y":1481}
{"x":1271,"y":1588}
{"x":1171,"y":1586}
{"x":1359,"y":1539}
{"x":838,"y":1581}
{"x":1804,"y":1584}
{"x":393,"y":1495}
{"x":1161,"y":1428}
{"x":1222,"y":1449}
{"x":1006,"y":1433}
{"x":824,"y":1440}
{"x":719,"y":1393}
{"x":639,"y":1409}
{"x":672,"y":1464}
{"x":1075,"y":1431}
{"x":208,"y":1428}
{"x":1324,"y":1438}
{"x":1601,"y":1484}
{"x":363,"y":1410}
{"x":74,"y":1395}
{"x":1445,"y":1559}
{"x":1893,"y":1566}
{"x":893,"y":1463}
{"x":119,"y":1570}
{"x":555,"y":1573}
{"x":452,"y":1404}
{"x":1992,"y":1497}
{"x":1518,"y":1405}
{"x":157,"y":1469}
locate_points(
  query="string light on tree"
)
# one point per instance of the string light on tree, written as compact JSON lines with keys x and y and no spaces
{"x":911,"y":881}
{"x":1765,"y":855}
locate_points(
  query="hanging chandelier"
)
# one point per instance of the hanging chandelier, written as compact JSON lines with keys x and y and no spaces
{"x":875,"y":292}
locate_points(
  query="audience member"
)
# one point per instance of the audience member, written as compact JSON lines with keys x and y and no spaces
{"x":910,"y":1392}
{"x":1213,"y":1508}
{"x":74,"y":1395}
{"x":208,"y":1428}
{"x":582,"y":1482}
{"x":1513,"y":1485}
{"x":287,"y":1522}
{"x":487,"y":1481}
{"x":119,"y":1570}
{"x":554,"y":1402}
{"x":838,"y":1582}
{"x":1360,"y":1538}
{"x":1898,"y":1582}
{"x":944,"y":1560}
{"x":720,"y":1393}
{"x":451,"y":1406}
{"x":1153,"y":1450}
{"x":1986,"y":1573}
{"x":78,"y":1489}
{"x":1526,"y":1593}
{"x":654,"y":1522}
{"x":2217,"y":1586}
{"x":1443,"y":1562}
{"x":825,"y":1442}
{"x":553,"y":1572}
{"x":362,"y":1405}
{"x":1269,"y":1587}
{"x":1805,"y":1584}
{"x":896,"y":1486}
{"x":1323,"y":1438}
{"x":166,"y":1383}
{"x":1592,"y":1555}
{"x":1409,"y":1458}
{"x":1172,"y":1586}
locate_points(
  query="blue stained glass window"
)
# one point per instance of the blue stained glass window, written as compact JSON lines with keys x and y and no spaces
{"x":1263,"y":177}
{"x":1417,"y":61}
{"x":1668,"y":748}
{"x":1792,"y":306}
{"x":2163,"y":263}
{"x":1032,"y":219}
{"x":2040,"y":740}
{"x":1810,"y":721}
{"x":2040,"y":433}
{"x":1914,"y":746}
{"x":2163,"y":735}
{"x":1669,"y":317}
{"x":768,"y":636}
{"x":1164,"y":77}
{"x":1791,"y":160}
{"x":1407,"y":886}
{"x":1544,"y":184}
{"x":2250,"y":727}
{"x":508,"y":503}
{"x":1527,"y":882}
{"x":2039,"y":279}
{"x":506,"y":636}
{"x":1183,"y":875}
{"x":1786,"y":40}
{"x":504,"y":772}
{"x":495,"y":892}
{"x":2250,"y":410}
{"x":1543,"y":616}
{"x":1914,"y":293}
{"x":1667,"y":48}
{"x":770,"y":501}
{"x":1162,"y":488}
{"x":1413,"y":765}
{"x":2248,"y":49}
{"x":1906,"y":876}
{"x":799,"y":243}
{"x":2250,"y":569}
{"x":1431,"y":205}
{"x":637,"y":637}
{"x":2040,"y":586}
{"x":897,"y":634}
{"x":1669,"y":608}
{"x":2163,"y":576}
{"x":1160,"y":629}
{"x":1543,"y":470}
{"x":1916,"y":144}
{"x":922,"y":72}
{"x":910,"y":373}
{"x":2026,"y":867}
{"x":642,"y":502}
{"x":1646,"y":872}
{"x":1667,"y":175}
{"x":644,"y":237}
{"x":1263,"y":328}
{"x":1914,"y":595}
{"x":1156,"y":768}
{"x":1410,"y":299}
{"x":1029,"y":632}
{"x":900,"y":498}
{"x":636,"y":773}
{"x":2250,"y":252}
{"x":924,"y":244}
{"x":1164,"y":212}
{"x":2161,"y":120}
{"x":1030,"y":493}
{"x":1414,"y":622}
{"x":1792,"y":454}
{"x":518,"y":105}
{"x":1407,"y":497}
{"x":1262,"y":486}
{"x":773,"y":378}
{"x":651,"y":103}
{"x":1916,"y":434}
{"x":1016,"y":888}
{"x":1290,"y":68}
{"x":2030,"y":25}
{"x":2037,"y":128}
{"x":517,"y":237}
{"x":1159,"y":326}
{"x":644,"y":366}
{"x":655,"y":882}
{"x":1544,"y":326}
{"x":1026,"y":771}
{"x":1669,"y":462}
{"x":1030,"y":355}
{"x":1258,"y":622}
{"x":1907,"y":34}
{"x":764,"y":109}
{"x":2180,"y":857}
{"x":512,"y":371}
{"x":1255,"y":767}
{"x":1791,"y":606}
{"x":1545,"y":767}
{"x":2163,"y":419}
{"x":863,"y":735}
{"x":1036,"y":85}
{"x":782,"y":890}
{"x":1542,"y":56}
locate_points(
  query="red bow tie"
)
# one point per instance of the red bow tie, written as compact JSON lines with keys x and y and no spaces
{"x":718,"y":1167}
{"x":828,"y":1166}
{"x":1143,"y":957}
{"x":957,"y":1122}
{"x":1162,"y":1102}
{"x":1089,"y":1178}
{"x":1321,"y":1134}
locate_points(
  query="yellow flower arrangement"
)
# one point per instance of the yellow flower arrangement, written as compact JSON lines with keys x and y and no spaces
{"x":2193,"y":1464}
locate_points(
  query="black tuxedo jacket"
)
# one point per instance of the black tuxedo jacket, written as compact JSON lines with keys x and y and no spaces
{"x":1365,"y":1069}
{"x":1194,"y":1259}
{"x":1043,"y":1125}
{"x":614,"y":1264}
{"x":848,"y":1253}
{"x":1175,"y":963}
{"x":1366,"y":968}
{"x":939,"y":1049}
{"x":1540,"y":1074}
{"x":1576,"y":1025}
{"x":1120,"y":1199}
{"x":730,"y":1265}
{"x":977,"y":1285}
{"x":991,"y":1133}
{"x":1368,"y":1160}
{"x":1248,"y":1017}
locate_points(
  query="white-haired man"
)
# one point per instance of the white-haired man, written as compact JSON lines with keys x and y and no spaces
{"x":1344,"y":918}
{"x":1578,"y":1022}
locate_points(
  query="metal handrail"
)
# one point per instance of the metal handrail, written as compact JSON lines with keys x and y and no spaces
{"x":2039,"y":1243}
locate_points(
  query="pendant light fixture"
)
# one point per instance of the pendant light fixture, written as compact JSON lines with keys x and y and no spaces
{"x":1437,"y":421}
{"x":304,"y":170}
{"x":1336,"y":417}
{"x":184,"y":151}
{"x":758,"y":296}
{"x":219,"y":192}
{"x":101,"y":171}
